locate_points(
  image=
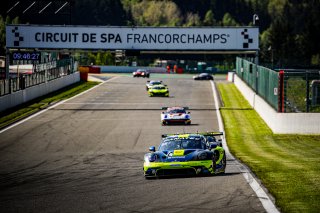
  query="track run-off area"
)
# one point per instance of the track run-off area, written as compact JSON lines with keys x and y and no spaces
{"x":86,"y":154}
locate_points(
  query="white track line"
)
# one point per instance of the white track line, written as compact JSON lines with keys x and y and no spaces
{"x":57,"y":104}
{"x":256,"y":187}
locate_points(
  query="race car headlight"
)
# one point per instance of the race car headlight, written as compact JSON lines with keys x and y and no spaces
{"x":166,"y":116}
{"x":150,"y":158}
{"x":202,"y":156}
{"x":187,"y":116}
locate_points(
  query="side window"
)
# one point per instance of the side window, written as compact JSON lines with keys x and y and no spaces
{"x":203,"y":143}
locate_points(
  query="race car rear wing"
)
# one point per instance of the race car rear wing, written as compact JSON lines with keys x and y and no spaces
{"x":205,"y":134}
{"x":150,"y":81}
{"x":165,"y":108}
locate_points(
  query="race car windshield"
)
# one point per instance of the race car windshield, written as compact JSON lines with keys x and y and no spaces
{"x":155,"y":83}
{"x":158,"y":87}
{"x":177,"y":111}
{"x":174,"y":144}
{"x":203,"y":74}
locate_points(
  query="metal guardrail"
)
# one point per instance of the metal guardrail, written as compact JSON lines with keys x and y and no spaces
{"x":61,"y":68}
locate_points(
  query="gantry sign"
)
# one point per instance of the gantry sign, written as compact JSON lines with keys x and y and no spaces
{"x":132,"y":38}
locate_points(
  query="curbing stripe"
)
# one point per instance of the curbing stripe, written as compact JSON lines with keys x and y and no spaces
{"x":256,"y":187}
{"x":57,"y":104}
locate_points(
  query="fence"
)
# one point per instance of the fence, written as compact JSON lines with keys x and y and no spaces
{"x":44,"y":73}
{"x":301,"y":90}
{"x":286,"y":90}
{"x":264,"y":81}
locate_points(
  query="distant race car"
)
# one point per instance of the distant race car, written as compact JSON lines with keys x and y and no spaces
{"x":203,"y":76}
{"x":141,"y":73}
{"x":186,"y":154}
{"x":158,"y":90}
{"x":152,"y":83}
{"x":175,"y":115}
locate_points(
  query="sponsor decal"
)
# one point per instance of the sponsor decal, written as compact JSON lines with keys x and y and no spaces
{"x":178,"y":152}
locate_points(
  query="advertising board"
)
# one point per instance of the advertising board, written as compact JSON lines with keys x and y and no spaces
{"x":131,"y":38}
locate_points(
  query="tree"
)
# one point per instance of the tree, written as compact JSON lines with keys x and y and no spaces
{"x":2,"y":36}
{"x":156,"y":13}
{"x":100,"y":58}
{"x":228,"y":20}
{"x":3,"y":24}
{"x":192,"y":20}
{"x":209,"y":19}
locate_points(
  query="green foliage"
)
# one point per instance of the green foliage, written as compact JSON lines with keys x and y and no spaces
{"x":155,"y":13}
{"x":209,"y":19}
{"x":276,"y":7}
{"x":192,"y":20}
{"x":293,"y":32}
{"x":2,"y":35}
{"x":3,"y":23}
{"x":315,"y":60}
{"x":228,"y":20}
{"x":266,"y":45}
{"x":99,"y":58}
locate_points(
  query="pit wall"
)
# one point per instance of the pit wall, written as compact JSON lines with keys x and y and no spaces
{"x":28,"y":94}
{"x":280,"y":123}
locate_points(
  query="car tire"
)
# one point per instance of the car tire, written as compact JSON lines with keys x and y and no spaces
{"x":214,"y":165}
{"x":224,"y":162}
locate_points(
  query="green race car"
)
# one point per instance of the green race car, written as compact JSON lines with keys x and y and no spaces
{"x":158,"y":90}
{"x":186,"y":154}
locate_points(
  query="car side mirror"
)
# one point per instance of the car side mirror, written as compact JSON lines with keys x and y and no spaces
{"x":188,"y":112}
{"x":212,"y":146}
{"x":162,"y":112}
{"x":152,"y":149}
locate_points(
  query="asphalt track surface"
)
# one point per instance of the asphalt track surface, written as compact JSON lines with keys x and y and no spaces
{"x":86,"y":155}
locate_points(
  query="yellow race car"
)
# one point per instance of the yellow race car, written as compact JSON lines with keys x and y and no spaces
{"x":159,"y":90}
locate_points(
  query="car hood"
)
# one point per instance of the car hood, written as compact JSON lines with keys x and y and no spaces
{"x":178,"y":155}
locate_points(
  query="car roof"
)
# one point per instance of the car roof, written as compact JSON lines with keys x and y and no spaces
{"x":182,"y":136}
{"x":173,"y":108}
{"x":155,"y":81}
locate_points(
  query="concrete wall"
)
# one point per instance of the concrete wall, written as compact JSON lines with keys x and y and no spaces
{"x":33,"y":92}
{"x":126,"y":69}
{"x":281,"y":123}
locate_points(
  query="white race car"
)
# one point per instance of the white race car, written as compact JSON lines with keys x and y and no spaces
{"x":152,"y":83}
{"x":175,"y":115}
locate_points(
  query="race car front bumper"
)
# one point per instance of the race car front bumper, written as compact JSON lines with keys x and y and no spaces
{"x":158,"y":169}
{"x":162,"y":94}
{"x":176,"y":121}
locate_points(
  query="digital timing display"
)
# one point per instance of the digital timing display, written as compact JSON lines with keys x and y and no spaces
{"x":33,"y":56}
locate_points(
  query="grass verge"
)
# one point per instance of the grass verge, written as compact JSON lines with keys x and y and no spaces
{"x":17,"y":113}
{"x":288,"y":165}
